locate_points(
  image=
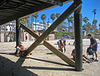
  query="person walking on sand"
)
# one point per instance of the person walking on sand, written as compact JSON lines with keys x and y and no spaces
{"x":94,"y":46}
{"x":61,"y":44}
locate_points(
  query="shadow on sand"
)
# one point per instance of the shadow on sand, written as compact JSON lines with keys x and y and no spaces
{"x":16,"y":69}
{"x":50,"y":68}
{"x":48,"y":61}
{"x":8,"y":53}
{"x":10,"y":68}
{"x":22,"y":59}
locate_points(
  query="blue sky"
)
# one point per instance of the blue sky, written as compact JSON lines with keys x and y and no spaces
{"x":87,"y":8}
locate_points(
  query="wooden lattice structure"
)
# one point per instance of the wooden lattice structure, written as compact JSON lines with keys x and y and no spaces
{"x":21,"y":8}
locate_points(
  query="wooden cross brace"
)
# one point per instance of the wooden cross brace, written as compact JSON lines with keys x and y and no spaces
{"x":66,"y":14}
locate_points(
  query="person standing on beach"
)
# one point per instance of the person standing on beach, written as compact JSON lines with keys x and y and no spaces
{"x":93,"y":45}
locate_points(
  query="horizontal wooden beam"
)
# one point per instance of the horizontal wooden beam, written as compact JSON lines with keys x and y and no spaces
{"x":66,"y":14}
{"x":50,"y":47}
{"x":25,"y":12}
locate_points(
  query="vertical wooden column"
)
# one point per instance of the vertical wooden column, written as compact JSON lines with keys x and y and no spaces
{"x":78,"y":37}
{"x":18,"y":33}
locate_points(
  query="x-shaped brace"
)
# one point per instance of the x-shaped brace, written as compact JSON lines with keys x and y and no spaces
{"x":66,"y":14}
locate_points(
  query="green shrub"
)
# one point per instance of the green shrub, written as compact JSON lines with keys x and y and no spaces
{"x":59,"y":34}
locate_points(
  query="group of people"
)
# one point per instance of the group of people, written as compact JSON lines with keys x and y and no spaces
{"x":20,"y":50}
{"x":93,"y":45}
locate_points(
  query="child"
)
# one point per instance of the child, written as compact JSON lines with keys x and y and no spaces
{"x":21,"y":50}
{"x":84,"y":57}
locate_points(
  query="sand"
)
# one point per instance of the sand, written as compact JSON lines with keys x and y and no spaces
{"x":43,"y":62}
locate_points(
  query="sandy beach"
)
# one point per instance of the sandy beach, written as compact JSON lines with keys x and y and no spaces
{"x":43,"y":62}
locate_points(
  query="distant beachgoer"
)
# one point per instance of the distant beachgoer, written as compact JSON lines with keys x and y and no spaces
{"x":94,"y":46}
{"x":61,"y":44}
{"x":26,"y":36}
{"x":84,"y":57}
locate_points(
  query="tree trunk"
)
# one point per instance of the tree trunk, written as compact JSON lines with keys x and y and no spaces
{"x":68,"y":26}
{"x":31,"y":24}
{"x":0,"y":33}
{"x":72,"y":28}
{"x":89,"y":30}
{"x":43,"y":25}
{"x":5,"y":37}
{"x":35,"y":23}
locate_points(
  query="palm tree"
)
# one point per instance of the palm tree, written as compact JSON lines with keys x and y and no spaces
{"x":95,"y":24}
{"x":24,"y":19}
{"x":35,"y":15}
{"x":72,"y":21}
{"x":32,"y":20}
{"x":43,"y":17}
{"x":85,"y":19}
{"x":84,"y":27}
{"x":99,"y":26}
{"x":89,"y":26}
{"x":64,"y":25}
{"x":68,"y":24}
{"x":94,"y":11}
{"x":53,"y":17}
{"x":57,"y":15}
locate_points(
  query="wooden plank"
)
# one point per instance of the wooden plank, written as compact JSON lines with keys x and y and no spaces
{"x":66,"y":14}
{"x":30,"y":31}
{"x":25,"y":12}
{"x":59,"y":54}
{"x":50,"y":47}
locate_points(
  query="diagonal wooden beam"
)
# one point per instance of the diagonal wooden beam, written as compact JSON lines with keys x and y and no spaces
{"x":69,"y":11}
{"x":30,"y":31}
{"x":59,"y":53}
{"x":50,"y":47}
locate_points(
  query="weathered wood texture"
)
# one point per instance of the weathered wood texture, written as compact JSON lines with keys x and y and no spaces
{"x":50,"y":47}
{"x":66,"y":14}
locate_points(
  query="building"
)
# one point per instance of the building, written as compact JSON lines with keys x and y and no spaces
{"x":7,"y":32}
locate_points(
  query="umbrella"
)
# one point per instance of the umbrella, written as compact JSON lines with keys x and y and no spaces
{"x":66,"y":36}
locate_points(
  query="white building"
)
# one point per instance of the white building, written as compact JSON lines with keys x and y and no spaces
{"x":9,"y":26}
{"x":39,"y":26}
